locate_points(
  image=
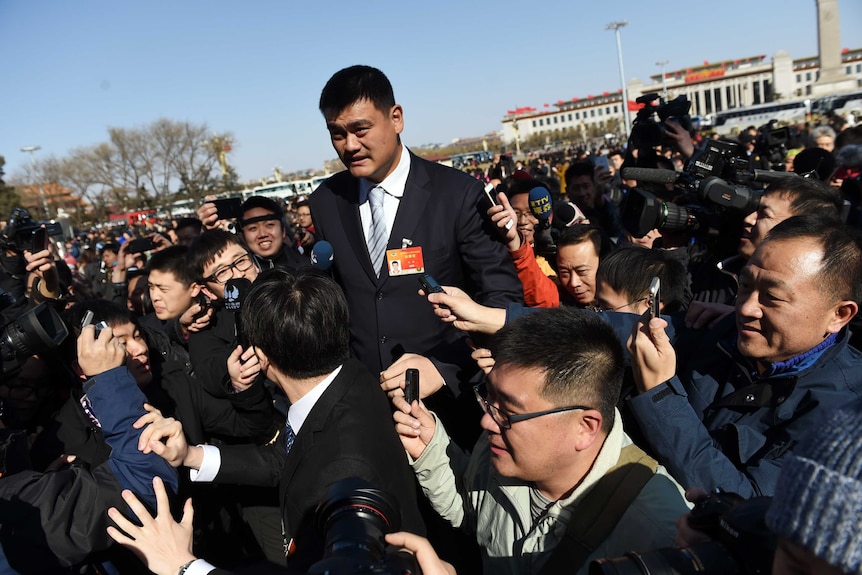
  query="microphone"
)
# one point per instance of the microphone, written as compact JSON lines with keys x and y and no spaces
{"x":567,"y":214}
{"x":655,"y":176}
{"x":235,"y":290}
{"x":322,"y":255}
{"x":540,"y":203}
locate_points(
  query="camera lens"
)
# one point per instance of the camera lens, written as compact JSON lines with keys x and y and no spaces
{"x":355,"y":516}
{"x":708,"y":558}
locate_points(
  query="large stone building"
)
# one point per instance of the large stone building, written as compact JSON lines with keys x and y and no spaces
{"x":710,"y":87}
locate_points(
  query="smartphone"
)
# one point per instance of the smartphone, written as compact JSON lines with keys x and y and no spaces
{"x":39,"y":240}
{"x":491,"y":193}
{"x":99,"y":327}
{"x":655,"y":297}
{"x":88,"y":319}
{"x":228,"y":208}
{"x":202,"y":300}
{"x":411,"y":385}
{"x":429,"y":284}
{"x":141,"y":245}
{"x":601,"y":162}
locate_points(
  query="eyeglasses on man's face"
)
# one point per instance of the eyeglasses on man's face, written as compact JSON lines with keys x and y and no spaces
{"x":600,"y":308}
{"x":241,"y":264}
{"x":505,"y":420}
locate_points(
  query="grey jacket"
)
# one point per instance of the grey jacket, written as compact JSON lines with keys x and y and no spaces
{"x":466,"y":491}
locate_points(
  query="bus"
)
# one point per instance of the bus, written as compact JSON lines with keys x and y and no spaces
{"x":842,"y":104}
{"x":279,"y":191}
{"x":734,"y":121}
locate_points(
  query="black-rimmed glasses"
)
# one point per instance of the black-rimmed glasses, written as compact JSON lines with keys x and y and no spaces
{"x":241,"y":264}
{"x":600,"y":308}
{"x":505,"y":420}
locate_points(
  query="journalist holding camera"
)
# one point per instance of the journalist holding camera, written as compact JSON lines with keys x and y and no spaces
{"x":729,"y":404}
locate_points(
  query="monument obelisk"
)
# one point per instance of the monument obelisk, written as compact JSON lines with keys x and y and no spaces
{"x":832,"y":78}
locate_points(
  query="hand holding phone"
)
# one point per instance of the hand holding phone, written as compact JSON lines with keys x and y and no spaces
{"x":40,"y":240}
{"x":228,"y":208}
{"x":411,"y":385}
{"x":141,"y":245}
{"x":430,"y":285}
{"x":655,"y":297}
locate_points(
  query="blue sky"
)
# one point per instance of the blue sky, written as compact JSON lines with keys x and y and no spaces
{"x":71,"y":69}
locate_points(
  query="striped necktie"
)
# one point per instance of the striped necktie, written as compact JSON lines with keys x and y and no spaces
{"x":289,"y":438}
{"x":379,"y":234}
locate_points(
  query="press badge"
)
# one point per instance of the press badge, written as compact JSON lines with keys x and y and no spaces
{"x":405,"y":261}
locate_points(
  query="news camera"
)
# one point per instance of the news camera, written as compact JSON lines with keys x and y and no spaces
{"x":715,"y":180}
{"x":354,"y":517}
{"x":18,"y":235}
{"x":647,"y":131}
{"x":38,"y":330}
{"x":773,"y":143}
{"x":740,"y":543}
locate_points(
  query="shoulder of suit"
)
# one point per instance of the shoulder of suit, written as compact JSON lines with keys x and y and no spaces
{"x":333,"y":185}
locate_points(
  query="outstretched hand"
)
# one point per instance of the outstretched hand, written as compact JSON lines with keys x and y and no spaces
{"x":392,"y":379}
{"x":161,"y":543}
{"x":456,"y":307}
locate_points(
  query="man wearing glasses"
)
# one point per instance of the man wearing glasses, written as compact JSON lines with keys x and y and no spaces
{"x":222,"y":366}
{"x":553,"y":447}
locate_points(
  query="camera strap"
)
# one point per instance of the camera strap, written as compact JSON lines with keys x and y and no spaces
{"x":601,"y":509}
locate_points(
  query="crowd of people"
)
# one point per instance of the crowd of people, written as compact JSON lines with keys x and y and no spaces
{"x":230,"y":394}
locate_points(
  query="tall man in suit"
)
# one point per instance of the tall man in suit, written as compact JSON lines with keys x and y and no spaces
{"x":338,"y":424}
{"x":392,"y":205}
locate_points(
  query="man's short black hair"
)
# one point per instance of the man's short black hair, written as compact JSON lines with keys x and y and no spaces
{"x":300,"y":321}
{"x":111,"y":313}
{"x":808,"y":196}
{"x":580,"y":355}
{"x":206,"y":248}
{"x":578,"y":169}
{"x":268,"y":204}
{"x":172,"y":260}
{"x":354,"y":84}
{"x":841,"y":265}
{"x":580,"y":233}
{"x":628,"y":270}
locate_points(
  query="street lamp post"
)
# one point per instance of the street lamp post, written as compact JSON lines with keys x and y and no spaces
{"x":32,"y":149}
{"x":615,"y":26}
{"x":661,"y":65}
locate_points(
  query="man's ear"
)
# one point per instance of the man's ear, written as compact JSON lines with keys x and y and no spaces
{"x":843,"y":312}
{"x":207,"y":291}
{"x":262,"y":358}
{"x":397,"y":117}
{"x":589,"y":429}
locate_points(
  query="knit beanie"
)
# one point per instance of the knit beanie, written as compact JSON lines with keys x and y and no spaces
{"x":818,"y":498}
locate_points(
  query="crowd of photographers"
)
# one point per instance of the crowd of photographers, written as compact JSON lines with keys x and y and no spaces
{"x":619,"y":354}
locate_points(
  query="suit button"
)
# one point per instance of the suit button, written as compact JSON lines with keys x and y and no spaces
{"x":749,"y":397}
{"x":380,"y":295}
{"x":383,"y":339}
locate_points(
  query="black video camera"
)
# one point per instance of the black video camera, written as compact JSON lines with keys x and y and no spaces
{"x":741,"y":543}
{"x":647,"y":132}
{"x":354,"y":517}
{"x":773,"y":143}
{"x":38,"y":330}
{"x":19,"y":234}
{"x":715,"y":179}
